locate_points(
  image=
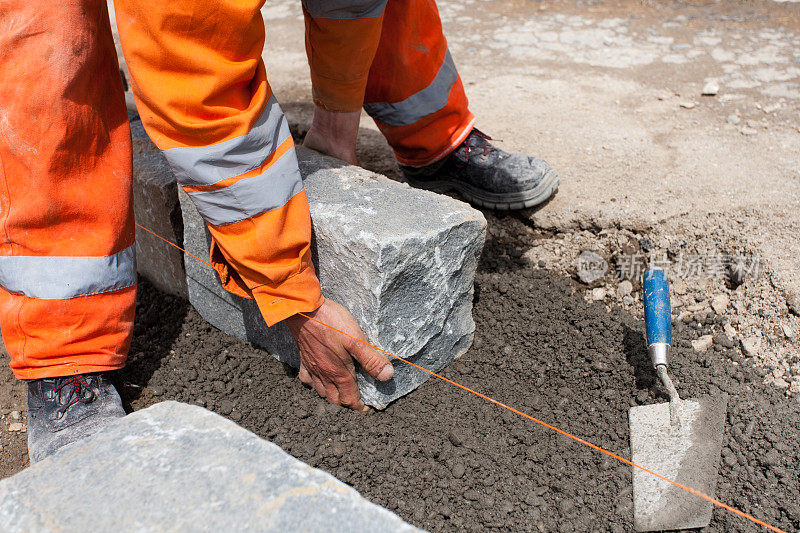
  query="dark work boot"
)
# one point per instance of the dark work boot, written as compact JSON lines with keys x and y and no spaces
{"x":487,"y":176}
{"x":64,"y":410}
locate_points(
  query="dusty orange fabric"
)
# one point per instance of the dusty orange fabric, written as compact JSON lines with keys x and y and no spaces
{"x":50,"y":338}
{"x":410,"y":53}
{"x":65,"y":143}
{"x":195,"y":66}
{"x":432,"y":137}
{"x":388,"y":59}
{"x":340,"y":53}
{"x":283,"y":285}
{"x":199,"y":80}
{"x":197,"y":74}
{"x":65,"y":180}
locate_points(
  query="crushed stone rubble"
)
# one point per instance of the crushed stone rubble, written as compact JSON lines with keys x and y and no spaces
{"x":714,"y":281}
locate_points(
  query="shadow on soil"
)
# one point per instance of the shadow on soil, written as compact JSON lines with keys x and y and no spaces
{"x":157,"y":327}
{"x":639,"y":358}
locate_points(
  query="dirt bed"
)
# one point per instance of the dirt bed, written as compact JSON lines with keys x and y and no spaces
{"x":445,"y":460}
{"x":13,"y":405}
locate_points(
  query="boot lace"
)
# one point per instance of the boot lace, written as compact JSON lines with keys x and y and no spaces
{"x":78,"y":386}
{"x":476,"y":144}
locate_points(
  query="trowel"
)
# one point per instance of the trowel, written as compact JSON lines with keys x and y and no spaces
{"x":680,"y":440}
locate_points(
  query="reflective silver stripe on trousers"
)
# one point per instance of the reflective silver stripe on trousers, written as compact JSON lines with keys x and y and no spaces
{"x":248,"y":197}
{"x":60,"y":278}
{"x":344,"y":9}
{"x":252,"y":196}
{"x":207,"y":165}
{"x":427,"y":101}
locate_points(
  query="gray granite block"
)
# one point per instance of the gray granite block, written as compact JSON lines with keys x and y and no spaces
{"x":176,"y":467}
{"x":155,"y":205}
{"x":402,"y":260}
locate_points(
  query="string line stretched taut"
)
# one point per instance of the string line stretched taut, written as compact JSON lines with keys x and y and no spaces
{"x":595,"y":447}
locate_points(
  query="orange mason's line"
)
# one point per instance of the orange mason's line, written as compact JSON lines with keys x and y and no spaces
{"x":172,"y":244}
{"x":525,"y":415}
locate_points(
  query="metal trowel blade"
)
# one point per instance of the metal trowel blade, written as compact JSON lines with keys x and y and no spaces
{"x":688,"y":454}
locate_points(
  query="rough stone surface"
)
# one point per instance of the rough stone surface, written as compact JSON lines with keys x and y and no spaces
{"x":182,"y":468}
{"x":711,"y":88}
{"x":729,"y":331}
{"x":751,"y":346}
{"x":720,"y":303}
{"x":155,"y":204}
{"x":405,"y":273}
{"x":401,"y":260}
{"x":703,"y":343}
{"x":625,"y":288}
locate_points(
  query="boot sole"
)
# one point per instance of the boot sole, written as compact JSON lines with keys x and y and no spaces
{"x":498,"y":201}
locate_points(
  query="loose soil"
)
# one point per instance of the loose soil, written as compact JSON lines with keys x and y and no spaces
{"x":13,"y":444}
{"x":445,"y":460}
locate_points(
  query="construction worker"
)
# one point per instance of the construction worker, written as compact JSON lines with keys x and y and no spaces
{"x":67,"y":265}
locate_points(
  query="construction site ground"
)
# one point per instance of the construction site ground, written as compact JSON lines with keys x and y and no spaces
{"x":610,"y":94}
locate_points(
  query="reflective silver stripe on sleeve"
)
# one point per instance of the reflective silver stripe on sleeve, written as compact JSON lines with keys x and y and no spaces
{"x":207,"y":165}
{"x":252,"y":196}
{"x":427,"y":101}
{"x":344,"y":9}
{"x":61,"y":278}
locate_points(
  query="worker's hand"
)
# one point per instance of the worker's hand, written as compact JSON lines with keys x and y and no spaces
{"x":326,"y":356}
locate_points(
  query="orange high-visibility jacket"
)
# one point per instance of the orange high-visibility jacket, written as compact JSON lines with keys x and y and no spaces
{"x":67,"y":265}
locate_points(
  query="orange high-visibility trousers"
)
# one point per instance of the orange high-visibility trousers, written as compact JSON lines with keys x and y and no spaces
{"x":397,"y":67}
{"x":202,"y":94}
{"x":67,"y":268}
{"x":67,"y":265}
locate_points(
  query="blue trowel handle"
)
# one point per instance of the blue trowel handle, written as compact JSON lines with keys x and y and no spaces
{"x":657,"y":315}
